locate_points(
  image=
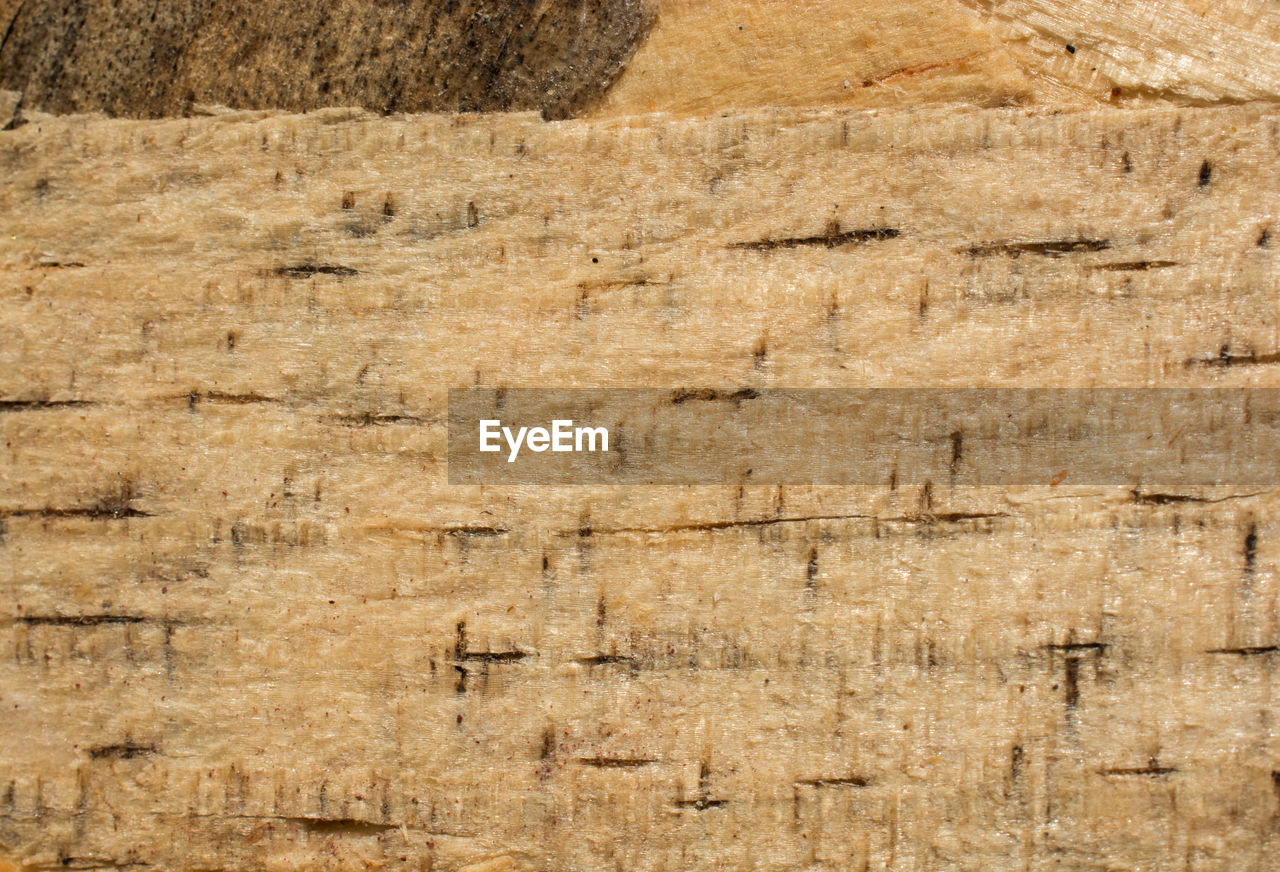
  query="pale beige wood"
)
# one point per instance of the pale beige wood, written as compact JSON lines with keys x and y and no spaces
{"x":709,"y":55}
{"x":1188,"y":51}
{"x":247,"y":620}
{"x":705,"y":56}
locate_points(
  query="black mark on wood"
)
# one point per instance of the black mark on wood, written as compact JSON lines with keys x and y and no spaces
{"x":1072,"y":653}
{"x":38,"y":405}
{"x":123,"y":751}
{"x":340,"y":826}
{"x":474,"y":531}
{"x":1134,"y":265}
{"x":1158,"y":499}
{"x":1053,"y":248}
{"x":715,"y":526}
{"x":710,"y":396}
{"x":1206,"y":174}
{"x":225,"y":398}
{"x":493,"y":656}
{"x":307,"y":270}
{"x":701,"y":803}
{"x":1152,"y":770}
{"x":68,"y":862}
{"x":79,"y":620}
{"x":108,"y":509}
{"x":1227,"y":358}
{"x":837,"y":781}
{"x":616,"y":762}
{"x":932,"y":518}
{"x":1071,"y":682}
{"x":834,"y":237}
{"x":1247,"y":651}
{"x":1079,"y":647}
{"x":370,"y":419}
{"x":605,"y":660}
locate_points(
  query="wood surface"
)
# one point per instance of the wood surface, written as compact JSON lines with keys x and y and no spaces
{"x":151,"y":59}
{"x":246,"y":623}
{"x":563,"y":57}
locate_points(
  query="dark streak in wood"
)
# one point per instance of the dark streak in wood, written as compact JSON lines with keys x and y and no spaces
{"x":1152,"y":770}
{"x":369,"y":419}
{"x":39,"y":405}
{"x":103,"y":511}
{"x":307,"y":270}
{"x":224,"y":398}
{"x":616,"y":762}
{"x":123,"y":751}
{"x":834,"y":237}
{"x":474,"y":531}
{"x":1226,"y":358}
{"x":1086,"y":647}
{"x":1134,"y":265}
{"x":714,"y":526}
{"x":839,"y":781}
{"x":493,"y":656}
{"x":79,"y":620}
{"x":1052,"y":248}
{"x":604,"y":660}
{"x":340,"y":826}
{"x":709,"y":396}
{"x":1166,"y":499}
{"x":701,"y":803}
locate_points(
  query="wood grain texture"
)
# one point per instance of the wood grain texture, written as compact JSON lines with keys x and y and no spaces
{"x":705,"y":56}
{"x":248,"y":625}
{"x":1193,"y":52}
{"x":709,"y":55}
{"x":149,"y":60}
{"x":152,"y":59}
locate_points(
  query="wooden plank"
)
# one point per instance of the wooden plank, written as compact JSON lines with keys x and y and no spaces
{"x":249,"y":624}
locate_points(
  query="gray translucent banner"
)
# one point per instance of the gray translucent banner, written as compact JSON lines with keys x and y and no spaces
{"x":969,"y":436}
